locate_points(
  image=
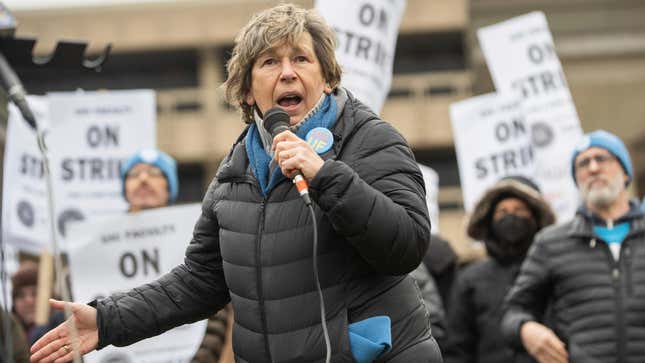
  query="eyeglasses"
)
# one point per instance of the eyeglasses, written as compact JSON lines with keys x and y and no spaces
{"x":600,"y":159}
{"x":151,"y":172}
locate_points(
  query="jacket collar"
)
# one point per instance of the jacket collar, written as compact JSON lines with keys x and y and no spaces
{"x":584,"y":220}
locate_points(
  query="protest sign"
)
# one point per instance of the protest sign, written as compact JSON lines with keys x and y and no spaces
{"x":88,"y":135}
{"x":431,"y":180}
{"x":492,"y":140}
{"x":11,"y":265}
{"x":91,"y":134}
{"x":115,"y":254}
{"x":366,"y":35}
{"x":521,"y":57}
{"x":25,"y":213}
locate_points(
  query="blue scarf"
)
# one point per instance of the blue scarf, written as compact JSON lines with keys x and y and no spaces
{"x":260,"y":160}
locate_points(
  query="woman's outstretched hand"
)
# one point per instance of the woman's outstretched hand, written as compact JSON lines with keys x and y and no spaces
{"x":57,"y":345}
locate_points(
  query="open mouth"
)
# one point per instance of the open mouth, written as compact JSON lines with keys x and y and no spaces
{"x":289,"y":100}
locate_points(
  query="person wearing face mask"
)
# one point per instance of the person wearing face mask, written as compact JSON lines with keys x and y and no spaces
{"x":588,"y":271}
{"x":506,"y":219}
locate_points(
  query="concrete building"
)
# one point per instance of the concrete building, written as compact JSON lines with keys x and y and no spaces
{"x":179,"y":48}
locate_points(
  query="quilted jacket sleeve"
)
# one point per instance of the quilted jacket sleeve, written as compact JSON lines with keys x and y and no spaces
{"x":374,"y":197}
{"x":191,"y":291}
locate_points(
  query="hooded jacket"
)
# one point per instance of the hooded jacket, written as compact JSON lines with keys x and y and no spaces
{"x":596,"y":302}
{"x":256,"y":251}
{"x":474,"y":316}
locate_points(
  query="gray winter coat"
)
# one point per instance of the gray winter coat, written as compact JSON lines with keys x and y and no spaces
{"x":597,"y":303}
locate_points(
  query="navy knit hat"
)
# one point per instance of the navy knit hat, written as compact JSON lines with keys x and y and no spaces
{"x":609,"y":142}
{"x":156,"y":158}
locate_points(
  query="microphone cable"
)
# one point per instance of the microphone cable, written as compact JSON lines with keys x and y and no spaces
{"x":318,"y":288}
{"x":276,"y":120}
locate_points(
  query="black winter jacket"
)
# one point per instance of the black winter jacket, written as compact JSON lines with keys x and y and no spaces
{"x":475,"y":314}
{"x":256,"y":251}
{"x":432,"y":299}
{"x":598,"y":303}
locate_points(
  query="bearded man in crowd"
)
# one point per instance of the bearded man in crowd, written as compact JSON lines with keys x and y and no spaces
{"x":589,"y":271}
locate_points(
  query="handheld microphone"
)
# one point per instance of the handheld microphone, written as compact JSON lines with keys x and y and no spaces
{"x":276,"y":120}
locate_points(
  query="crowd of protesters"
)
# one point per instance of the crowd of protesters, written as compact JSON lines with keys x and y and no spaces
{"x":567,"y":293}
{"x":548,"y":293}
{"x":570,"y":292}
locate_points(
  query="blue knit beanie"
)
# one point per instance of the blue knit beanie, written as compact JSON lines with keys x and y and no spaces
{"x":156,"y":158}
{"x":609,"y":142}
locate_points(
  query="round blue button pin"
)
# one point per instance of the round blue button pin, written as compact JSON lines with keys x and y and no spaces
{"x":320,"y":139}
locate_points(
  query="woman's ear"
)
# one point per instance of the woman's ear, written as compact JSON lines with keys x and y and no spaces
{"x":327,"y":89}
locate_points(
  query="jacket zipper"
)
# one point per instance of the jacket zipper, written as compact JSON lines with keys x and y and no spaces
{"x":620,"y":323}
{"x":616,"y":281}
{"x":258,"y":259}
{"x":626,"y":256}
{"x":625,"y":265}
{"x":258,"y":256}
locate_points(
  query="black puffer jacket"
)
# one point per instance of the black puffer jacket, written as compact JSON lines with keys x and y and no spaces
{"x":373,"y":229}
{"x":598,"y":303}
{"x":432,"y":299}
{"x":475,"y":315}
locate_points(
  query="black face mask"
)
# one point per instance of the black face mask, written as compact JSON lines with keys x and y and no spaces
{"x":514,"y":234}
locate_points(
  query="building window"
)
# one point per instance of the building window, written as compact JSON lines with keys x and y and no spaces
{"x":428,"y":52}
{"x":444,"y":161}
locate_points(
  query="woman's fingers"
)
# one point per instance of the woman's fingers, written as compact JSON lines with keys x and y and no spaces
{"x":294,"y":154}
{"x":51,"y":351}
{"x":286,"y":146}
{"x":282,"y":137}
{"x":57,"y":304}
{"x":57,"y":333}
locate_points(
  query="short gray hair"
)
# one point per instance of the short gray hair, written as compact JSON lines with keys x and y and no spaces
{"x":284,"y":23}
